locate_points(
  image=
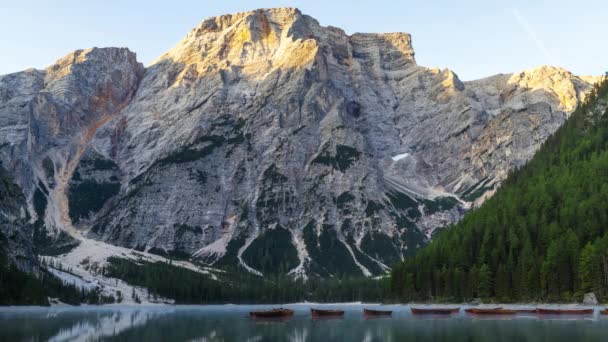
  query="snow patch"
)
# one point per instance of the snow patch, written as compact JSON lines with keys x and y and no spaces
{"x":365,"y":271}
{"x":240,"y":255}
{"x":70,"y":279}
{"x":299,"y":272}
{"x":216,"y":249}
{"x":400,"y":156}
{"x":87,"y":261}
{"x":397,"y":186}
{"x":378,"y":262}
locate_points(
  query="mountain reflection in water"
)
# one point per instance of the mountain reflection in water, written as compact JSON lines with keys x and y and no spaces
{"x":231,"y":323}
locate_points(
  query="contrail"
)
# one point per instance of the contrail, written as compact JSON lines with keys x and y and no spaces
{"x":526,"y":26}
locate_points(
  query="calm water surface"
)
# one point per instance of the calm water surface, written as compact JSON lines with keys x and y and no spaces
{"x":230,"y":323}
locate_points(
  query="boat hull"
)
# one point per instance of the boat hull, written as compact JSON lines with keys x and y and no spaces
{"x":369,"y":312}
{"x":490,"y":311}
{"x":564,"y":311}
{"x":274,"y":313}
{"x":531,"y":311}
{"x":326,"y":313}
{"x":435,"y":311}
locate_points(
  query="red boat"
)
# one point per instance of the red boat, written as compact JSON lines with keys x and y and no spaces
{"x":326,"y":313}
{"x":434,"y":311}
{"x":369,"y":312}
{"x":525,"y":310}
{"x":564,"y":311}
{"x":273,"y":313}
{"x":490,"y":311}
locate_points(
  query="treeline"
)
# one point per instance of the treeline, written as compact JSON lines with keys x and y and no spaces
{"x":542,"y":236}
{"x":164,"y":280}
{"x":21,"y":288}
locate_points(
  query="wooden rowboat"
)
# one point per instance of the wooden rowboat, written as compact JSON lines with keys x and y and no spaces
{"x":564,"y":311}
{"x":326,"y":313}
{"x":490,"y":311}
{"x":525,"y":310}
{"x":273,"y":313}
{"x":604,"y":312}
{"x":369,"y":312}
{"x":434,"y":311}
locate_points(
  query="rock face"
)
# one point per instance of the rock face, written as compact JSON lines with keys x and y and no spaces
{"x":590,"y":299}
{"x":266,"y":141}
{"x":16,"y":234}
{"x":47,"y":119}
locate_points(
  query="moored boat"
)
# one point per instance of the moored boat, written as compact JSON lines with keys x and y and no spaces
{"x":564,"y":311}
{"x":434,"y":311}
{"x":604,"y":312}
{"x":490,"y":311}
{"x":326,"y":313}
{"x":272,"y":313}
{"x":525,"y":310}
{"x":370,"y":312}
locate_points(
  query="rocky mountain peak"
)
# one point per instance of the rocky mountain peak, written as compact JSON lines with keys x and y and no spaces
{"x":553,"y":79}
{"x":268,"y":142}
{"x":256,"y":43}
{"x":283,"y":17}
{"x":248,"y":44}
{"x":93,"y":57}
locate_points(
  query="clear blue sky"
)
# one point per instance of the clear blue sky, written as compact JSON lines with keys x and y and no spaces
{"x":473,"y":38}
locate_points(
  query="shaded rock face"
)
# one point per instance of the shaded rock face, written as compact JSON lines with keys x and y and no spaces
{"x":266,"y":141}
{"x":16,"y":233}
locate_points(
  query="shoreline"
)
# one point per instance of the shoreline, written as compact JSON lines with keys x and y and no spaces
{"x":303,"y":304}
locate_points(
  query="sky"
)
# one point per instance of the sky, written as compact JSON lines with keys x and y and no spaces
{"x":473,"y":38}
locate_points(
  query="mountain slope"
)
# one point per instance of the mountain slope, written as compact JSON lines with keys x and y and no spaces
{"x":542,"y":236}
{"x":268,"y":142}
{"x":16,"y":234}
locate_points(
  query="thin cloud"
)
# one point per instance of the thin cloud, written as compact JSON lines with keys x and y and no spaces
{"x":521,"y":20}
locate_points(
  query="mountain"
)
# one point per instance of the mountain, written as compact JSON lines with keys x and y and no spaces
{"x":266,"y":141}
{"x":542,"y":237}
{"x":15,"y":232}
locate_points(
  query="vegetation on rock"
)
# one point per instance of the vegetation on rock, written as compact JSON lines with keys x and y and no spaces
{"x":543,"y":236}
{"x":187,"y":286}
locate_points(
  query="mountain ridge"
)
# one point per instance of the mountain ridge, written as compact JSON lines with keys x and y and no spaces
{"x":264,"y":122}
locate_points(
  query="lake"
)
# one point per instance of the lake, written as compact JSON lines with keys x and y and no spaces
{"x":231,"y":323}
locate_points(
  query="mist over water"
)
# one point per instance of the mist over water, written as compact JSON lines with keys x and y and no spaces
{"x":231,"y":323}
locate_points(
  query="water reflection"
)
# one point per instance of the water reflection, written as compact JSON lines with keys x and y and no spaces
{"x":110,"y":324}
{"x":230,"y":323}
{"x":298,"y":335}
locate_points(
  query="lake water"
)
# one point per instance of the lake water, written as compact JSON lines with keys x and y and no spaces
{"x":231,"y":323}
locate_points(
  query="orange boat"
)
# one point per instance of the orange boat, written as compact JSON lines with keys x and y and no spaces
{"x":490,"y":311}
{"x":326,"y":313}
{"x":604,"y":312}
{"x":434,"y":311}
{"x":369,"y":312}
{"x":564,"y":311}
{"x":273,"y":313}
